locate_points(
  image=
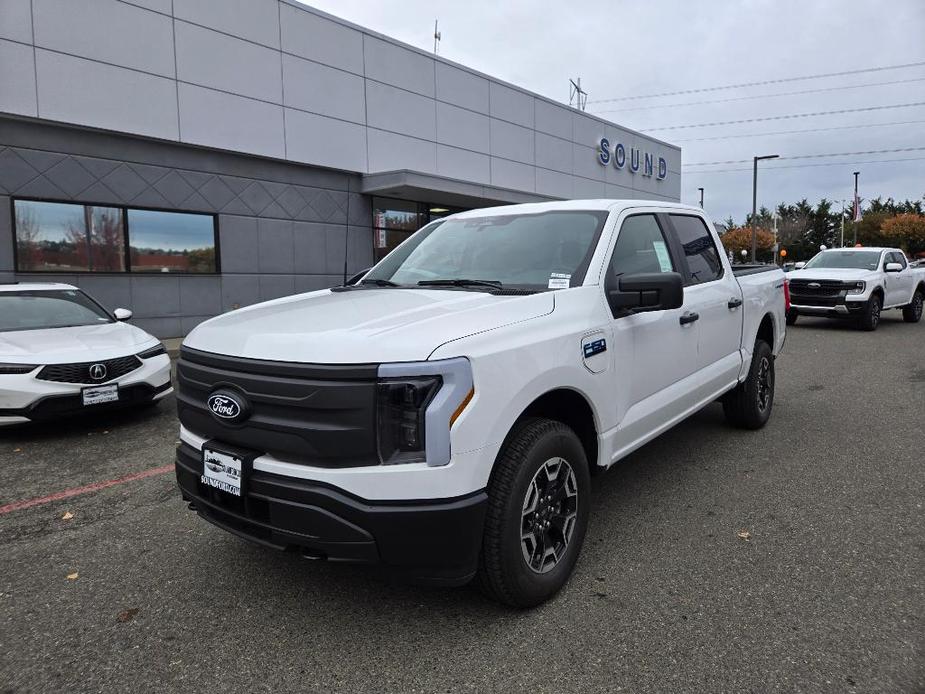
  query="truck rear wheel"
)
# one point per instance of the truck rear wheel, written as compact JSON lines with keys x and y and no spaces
{"x":870,"y":316}
{"x":538,"y":503}
{"x":912,"y":312}
{"x":748,"y":405}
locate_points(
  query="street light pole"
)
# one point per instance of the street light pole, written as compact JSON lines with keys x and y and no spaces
{"x":755,"y":203}
{"x":701,"y":197}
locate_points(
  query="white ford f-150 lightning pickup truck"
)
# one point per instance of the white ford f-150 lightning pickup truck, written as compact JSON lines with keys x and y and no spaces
{"x":857,"y":283}
{"x":443,"y":415}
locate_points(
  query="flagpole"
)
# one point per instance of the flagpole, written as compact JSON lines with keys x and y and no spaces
{"x":857,"y":208}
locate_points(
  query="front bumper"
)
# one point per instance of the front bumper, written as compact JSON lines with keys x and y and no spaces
{"x":430,"y":541}
{"x":24,"y":398}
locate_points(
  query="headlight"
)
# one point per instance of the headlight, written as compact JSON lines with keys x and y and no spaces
{"x":417,"y":404}
{"x":11,"y":369}
{"x":858,"y":288}
{"x":152,"y":352}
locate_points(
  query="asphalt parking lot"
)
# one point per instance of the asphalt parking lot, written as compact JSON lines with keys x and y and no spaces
{"x":790,"y":559}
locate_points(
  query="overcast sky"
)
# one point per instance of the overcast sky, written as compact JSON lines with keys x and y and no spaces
{"x":631,"y":47}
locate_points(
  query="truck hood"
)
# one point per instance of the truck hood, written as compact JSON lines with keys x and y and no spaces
{"x":361,"y":325}
{"x":831,"y":273}
{"x":78,"y":344}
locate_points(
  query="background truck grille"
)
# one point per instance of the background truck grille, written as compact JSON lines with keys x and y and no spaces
{"x":80,"y":373}
{"x":826,"y":288}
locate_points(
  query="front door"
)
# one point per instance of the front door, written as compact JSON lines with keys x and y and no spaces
{"x":655,"y":352}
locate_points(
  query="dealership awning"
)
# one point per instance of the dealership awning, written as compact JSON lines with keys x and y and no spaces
{"x":423,"y":187}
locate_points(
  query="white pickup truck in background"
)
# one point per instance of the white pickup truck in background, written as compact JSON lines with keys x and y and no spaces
{"x":858,"y":284}
{"x":443,"y":416}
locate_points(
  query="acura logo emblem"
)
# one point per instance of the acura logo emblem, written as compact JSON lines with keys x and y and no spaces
{"x":98,"y":372}
{"x":227,"y":406}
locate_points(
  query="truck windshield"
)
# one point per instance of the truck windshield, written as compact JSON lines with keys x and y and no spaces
{"x":37,"y":309}
{"x":856,"y":260}
{"x":548,"y":250}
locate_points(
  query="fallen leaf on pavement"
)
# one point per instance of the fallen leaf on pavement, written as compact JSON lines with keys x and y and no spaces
{"x":744,"y":534}
{"x":72,"y":577}
{"x":67,"y":515}
{"x":127,"y":615}
{"x":17,"y":450}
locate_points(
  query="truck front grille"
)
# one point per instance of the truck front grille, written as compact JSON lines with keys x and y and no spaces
{"x":316,"y":414}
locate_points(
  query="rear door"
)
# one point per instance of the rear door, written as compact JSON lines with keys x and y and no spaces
{"x":898,"y":284}
{"x":712,"y":293}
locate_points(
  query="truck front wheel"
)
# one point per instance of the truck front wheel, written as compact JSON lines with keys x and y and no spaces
{"x":748,"y":405}
{"x":912,"y":312}
{"x":538,"y":503}
{"x":870,"y":315}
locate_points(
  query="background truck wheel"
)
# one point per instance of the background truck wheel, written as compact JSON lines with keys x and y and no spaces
{"x":870,"y":316}
{"x":538,"y":503}
{"x":748,"y":405}
{"x":792,"y":316}
{"x":912,"y":312}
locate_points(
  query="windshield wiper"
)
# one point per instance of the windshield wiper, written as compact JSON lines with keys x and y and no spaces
{"x":380,"y":282}
{"x":494,"y":284}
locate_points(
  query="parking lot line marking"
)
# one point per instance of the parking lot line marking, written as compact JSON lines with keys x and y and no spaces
{"x":76,"y":491}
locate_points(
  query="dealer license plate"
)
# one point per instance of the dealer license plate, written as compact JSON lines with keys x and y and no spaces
{"x":100,"y":394}
{"x":222,"y":471}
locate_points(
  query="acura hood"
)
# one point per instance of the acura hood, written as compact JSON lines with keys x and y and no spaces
{"x":77,"y":344}
{"x":361,"y":325}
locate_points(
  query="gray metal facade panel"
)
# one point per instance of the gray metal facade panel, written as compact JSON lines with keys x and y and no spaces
{"x":17,"y":78}
{"x":106,"y":30}
{"x":16,"y":20}
{"x":254,"y":20}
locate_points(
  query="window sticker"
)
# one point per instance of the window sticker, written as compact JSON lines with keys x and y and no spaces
{"x":558,"y":280}
{"x":661,"y":252}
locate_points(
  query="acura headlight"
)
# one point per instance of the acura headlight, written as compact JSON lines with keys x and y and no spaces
{"x":152,"y":351}
{"x":416,"y":404}
{"x":858,"y":288}
{"x":12,"y":369}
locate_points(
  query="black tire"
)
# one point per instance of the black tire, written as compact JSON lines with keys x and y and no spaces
{"x":792,"y":316}
{"x":522,"y":468}
{"x":912,"y":312}
{"x":749,"y":404}
{"x":870,"y":316}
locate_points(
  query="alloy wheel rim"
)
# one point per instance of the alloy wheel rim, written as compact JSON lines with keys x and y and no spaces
{"x":765,"y":384}
{"x":549,"y":515}
{"x":917,"y":306}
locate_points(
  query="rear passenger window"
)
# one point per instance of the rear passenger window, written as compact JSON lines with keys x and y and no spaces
{"x":702,"y":257}
{"x":641,"y":247}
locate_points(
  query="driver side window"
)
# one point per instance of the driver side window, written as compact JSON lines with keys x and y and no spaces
{"x":641,"y":247}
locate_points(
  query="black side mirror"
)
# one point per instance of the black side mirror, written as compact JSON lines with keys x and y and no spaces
{"x":647,"y":291}
{"x":357,"y":277}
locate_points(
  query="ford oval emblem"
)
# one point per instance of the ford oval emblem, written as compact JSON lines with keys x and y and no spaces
{"x":228,"y":407}
{"x":814,"y":285}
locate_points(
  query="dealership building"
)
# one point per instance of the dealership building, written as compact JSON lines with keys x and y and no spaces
{"x":182,"y":158}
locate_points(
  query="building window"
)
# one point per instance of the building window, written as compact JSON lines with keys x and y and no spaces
{"x":60,"y":237}
{"x":67,"y":237}
{"x":395,"y":220}
{"x":171,"y":242}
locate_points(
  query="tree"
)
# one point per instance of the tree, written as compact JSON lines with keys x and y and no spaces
{"x":906,"y":231}
{"x":737,"y":239}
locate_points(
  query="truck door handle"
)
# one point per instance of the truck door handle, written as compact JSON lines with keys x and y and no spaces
{"x":689,"y":317}
{"x":734,"y":303}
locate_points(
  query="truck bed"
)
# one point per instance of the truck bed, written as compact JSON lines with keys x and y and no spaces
{"x":742,"y":270}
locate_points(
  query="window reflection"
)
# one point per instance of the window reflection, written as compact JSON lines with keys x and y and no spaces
{"x":68,"y":238}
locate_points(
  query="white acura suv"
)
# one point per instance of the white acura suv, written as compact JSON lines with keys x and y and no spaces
{"x":62,"y":353}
